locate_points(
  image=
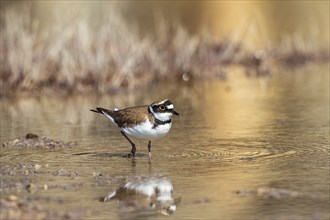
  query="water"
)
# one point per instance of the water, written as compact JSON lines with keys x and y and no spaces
{"x":244,"y":148}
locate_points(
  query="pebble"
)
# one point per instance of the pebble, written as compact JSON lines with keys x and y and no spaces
{"x":31,"y":136}
{"x":31,"y":188}
{"x":12,"y":198}
{"x":45,"y":187}
{"x":61,"y":172}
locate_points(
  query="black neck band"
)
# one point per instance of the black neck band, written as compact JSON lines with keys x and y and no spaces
{"x":159,"y":122}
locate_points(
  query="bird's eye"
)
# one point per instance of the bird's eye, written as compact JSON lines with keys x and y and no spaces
{"x":162,"y":107}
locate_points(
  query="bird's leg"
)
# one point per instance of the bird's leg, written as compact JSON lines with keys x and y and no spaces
{"x":149,"y":150}
{"x":132,"y":144}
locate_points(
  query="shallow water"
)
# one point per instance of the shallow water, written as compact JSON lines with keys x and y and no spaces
{"x":244,"y":148}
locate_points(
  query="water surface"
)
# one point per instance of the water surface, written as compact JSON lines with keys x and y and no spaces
{"x":244,"y":148}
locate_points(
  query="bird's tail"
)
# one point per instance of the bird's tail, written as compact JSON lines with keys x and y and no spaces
{"x":102,"y":111}
{"x":105,"y":112}
{"x":93,"y":110}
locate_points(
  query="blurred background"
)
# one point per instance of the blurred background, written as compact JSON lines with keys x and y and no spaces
{"x":263,"y":23}
{"x":106,"y":46}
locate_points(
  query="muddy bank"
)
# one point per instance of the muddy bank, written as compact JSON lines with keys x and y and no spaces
{"x":34,"y":141}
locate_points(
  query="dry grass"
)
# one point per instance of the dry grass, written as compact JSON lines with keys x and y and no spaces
{"x":79,"y":58}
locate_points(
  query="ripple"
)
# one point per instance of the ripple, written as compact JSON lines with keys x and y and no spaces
{"x":211,"y":150}
{"x":107,"y":154}
{"x":224,"y":153}
{"x":227,"y":150}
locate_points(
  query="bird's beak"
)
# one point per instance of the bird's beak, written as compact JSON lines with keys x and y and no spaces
{"x":176,"y":113}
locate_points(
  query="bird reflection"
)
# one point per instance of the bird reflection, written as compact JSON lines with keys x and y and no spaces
{"x":145,"y":194}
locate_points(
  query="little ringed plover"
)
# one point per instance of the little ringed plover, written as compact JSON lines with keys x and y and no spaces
{"x":146,"y":122}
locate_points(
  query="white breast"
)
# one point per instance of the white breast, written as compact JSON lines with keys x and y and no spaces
{"x":146,"y":130}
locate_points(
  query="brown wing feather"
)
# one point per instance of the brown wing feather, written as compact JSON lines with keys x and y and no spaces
{"x":128,"y":117}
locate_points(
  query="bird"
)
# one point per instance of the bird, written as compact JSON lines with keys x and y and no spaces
{"x":143,"y":122}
